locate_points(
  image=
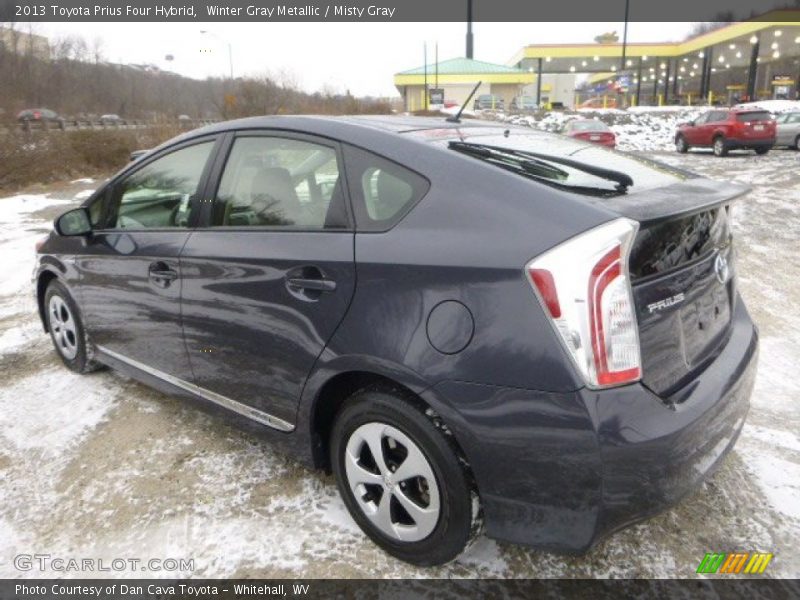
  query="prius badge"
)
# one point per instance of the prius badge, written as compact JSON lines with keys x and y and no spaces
{"x":665,"y":303}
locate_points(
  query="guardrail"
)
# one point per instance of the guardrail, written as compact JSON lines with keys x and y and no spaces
{"x":89,"y":124}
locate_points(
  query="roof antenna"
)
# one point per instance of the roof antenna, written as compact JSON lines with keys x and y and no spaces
{"x":456,"y":118}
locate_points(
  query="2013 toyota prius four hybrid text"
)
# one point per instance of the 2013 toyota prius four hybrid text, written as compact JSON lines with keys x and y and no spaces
{"x":468,"y":324}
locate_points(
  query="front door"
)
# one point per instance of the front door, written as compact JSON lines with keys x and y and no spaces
{"x":130,"y":270}
{"x":694,"y":134}
{"x":267,"y":282}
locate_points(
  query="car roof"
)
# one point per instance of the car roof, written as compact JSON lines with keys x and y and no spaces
{"x":340,"y":126}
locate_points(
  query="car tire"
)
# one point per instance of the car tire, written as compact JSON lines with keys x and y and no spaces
{"x":66,"y":329}
{"x":797,"y":143}
{"x":762,"y":150}
{"x":681,"y":145}
{"x":425,"y":519}
{"x":719,"y":146}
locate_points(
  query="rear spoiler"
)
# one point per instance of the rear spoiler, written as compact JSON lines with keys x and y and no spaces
{"x":682,"y":199}
{"x":137,"y":154}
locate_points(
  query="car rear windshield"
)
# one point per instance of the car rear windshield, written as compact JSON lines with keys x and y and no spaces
{"x":753,"y":116}
{"x":589,"y":126}
{"x":645,"y":173}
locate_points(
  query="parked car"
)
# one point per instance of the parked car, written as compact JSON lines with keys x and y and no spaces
{"x":41,"y":115}
{"x":465,"y":322}
{"x":523,"y":103}
{"x":728,"y":129}
{"x":597,"y":102}
{"x":110,"y":119}
{"x":788,"y":130}
{"x":489,"y":102}
{"x":591,"y":130}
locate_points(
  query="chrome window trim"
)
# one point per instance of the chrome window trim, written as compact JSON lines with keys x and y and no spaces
{"x":223,"y":401}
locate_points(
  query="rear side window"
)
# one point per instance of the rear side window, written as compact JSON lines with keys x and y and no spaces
{"x":383,"y":192}
{"x":753,"y":116}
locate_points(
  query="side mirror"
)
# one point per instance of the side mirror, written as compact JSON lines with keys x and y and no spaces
{"x":73,"y":222}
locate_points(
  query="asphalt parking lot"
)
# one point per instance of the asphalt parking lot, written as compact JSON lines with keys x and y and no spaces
{"x":100,"y":466}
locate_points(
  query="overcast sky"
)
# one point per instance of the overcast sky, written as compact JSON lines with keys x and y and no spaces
{"x":361,"y":57}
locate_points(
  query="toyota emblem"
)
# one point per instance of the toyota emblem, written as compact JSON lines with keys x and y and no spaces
{"x":721,"y":268}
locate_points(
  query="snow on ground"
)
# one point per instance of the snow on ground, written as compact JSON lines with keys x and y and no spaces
{"x":19,"y":230}
{"x":640,"y":130}
{"x":100,"y":466}
{"x":773,"y":106}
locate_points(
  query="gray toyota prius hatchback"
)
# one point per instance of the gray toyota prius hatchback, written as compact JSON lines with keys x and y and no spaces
{"x":472,"y":326}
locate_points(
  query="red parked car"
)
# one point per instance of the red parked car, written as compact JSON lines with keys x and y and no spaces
{"x":591,"y":130}
{"x":728,"y":129}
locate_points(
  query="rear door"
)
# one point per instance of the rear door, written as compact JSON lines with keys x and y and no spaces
{"x":269,"y":277}
{"x":713,"y":124}
{"x":130,"y":271}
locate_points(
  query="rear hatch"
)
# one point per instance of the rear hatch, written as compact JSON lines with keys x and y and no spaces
{"x":682,"y":260}
{"x":682,"y":275}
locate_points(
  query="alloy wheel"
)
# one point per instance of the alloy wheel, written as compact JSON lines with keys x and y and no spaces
{"x":63,"y":327}
{"x":392,"y":481}
{"x":719,"y":147}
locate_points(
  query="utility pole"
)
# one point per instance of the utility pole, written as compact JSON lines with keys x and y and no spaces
{"x":436,"y":77}
{"x":469,"y":29}
{"x":425,"y":71}
{"x":625,"y":37}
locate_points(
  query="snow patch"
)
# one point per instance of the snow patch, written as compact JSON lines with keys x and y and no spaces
{"x":773,"y":106}
{"x":52,"y":411}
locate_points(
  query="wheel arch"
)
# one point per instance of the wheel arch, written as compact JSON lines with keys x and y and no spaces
{"x":45,"y":277}
{"x":337,"y":388}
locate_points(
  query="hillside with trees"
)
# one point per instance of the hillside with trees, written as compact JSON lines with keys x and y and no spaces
{"x":75,"y":80}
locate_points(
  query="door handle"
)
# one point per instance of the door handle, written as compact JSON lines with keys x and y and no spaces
{"x":320,"y":285}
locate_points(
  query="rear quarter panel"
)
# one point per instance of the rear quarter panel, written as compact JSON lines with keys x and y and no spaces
{"x":466,"y":241}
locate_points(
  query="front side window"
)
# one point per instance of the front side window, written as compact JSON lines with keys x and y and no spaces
{"x":159,"y":194}
{"x":383,"y":191}
{"x":281,"y":182}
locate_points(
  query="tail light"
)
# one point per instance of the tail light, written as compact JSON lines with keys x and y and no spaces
{"x":584,"y":288}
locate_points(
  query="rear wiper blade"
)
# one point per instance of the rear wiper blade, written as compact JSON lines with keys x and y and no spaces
{"x":535,"y":167}
{"x":537,"y":170}
{"x":623,"y":180}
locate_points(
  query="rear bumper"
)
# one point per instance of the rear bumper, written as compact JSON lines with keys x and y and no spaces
{"x":564,"y":470}
{"x":745,"y":144}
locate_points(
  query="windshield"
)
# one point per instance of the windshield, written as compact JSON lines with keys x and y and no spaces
{"x":645,"y":174}
{"x":588,"y":126}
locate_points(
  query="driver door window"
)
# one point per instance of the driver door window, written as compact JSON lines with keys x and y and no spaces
{"x":160,"y":194}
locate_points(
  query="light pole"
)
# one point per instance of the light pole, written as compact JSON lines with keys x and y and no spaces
{"x":230,"y":50}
